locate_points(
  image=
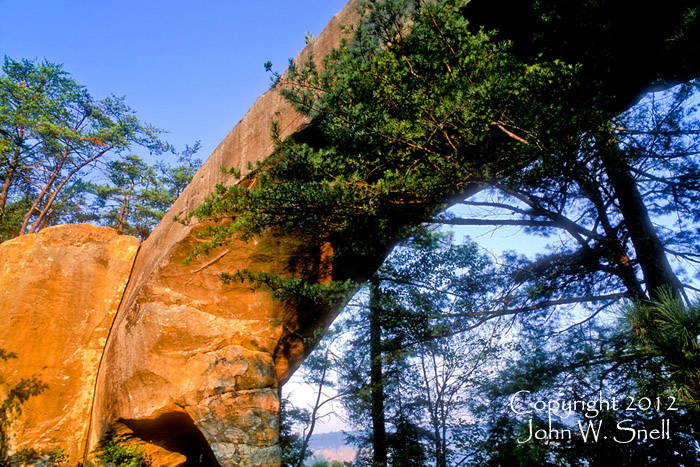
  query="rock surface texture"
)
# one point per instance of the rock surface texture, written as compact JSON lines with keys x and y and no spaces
{"x":59,"y":295}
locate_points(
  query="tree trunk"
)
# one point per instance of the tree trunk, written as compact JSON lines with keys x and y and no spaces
{"x":379,"y":446}
{"x":314,"y":415}
{"x":41,"y":195}
{"x":49,"y":203}
{"x":121,"y":216}
{"x":613,"y":244}
{"x":649,"y":250}
{"x":11,"y":170}
{"x":432,"y":408}
{"x":5,"y":190}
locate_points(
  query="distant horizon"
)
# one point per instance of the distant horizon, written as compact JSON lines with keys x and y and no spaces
{"x":330,"y":449}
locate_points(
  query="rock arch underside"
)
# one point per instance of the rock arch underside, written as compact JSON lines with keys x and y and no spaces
{"x":144,"y":345}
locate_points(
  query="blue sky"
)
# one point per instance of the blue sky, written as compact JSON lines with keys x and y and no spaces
{"x":190,"y":67}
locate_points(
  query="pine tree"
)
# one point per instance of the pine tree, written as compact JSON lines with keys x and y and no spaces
{"x":53,"y":133}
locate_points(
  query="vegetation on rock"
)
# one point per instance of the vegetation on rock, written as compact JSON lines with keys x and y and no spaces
{"x":113,"y":452}
{"x":11,"y":406}
{"x":419,"y":112}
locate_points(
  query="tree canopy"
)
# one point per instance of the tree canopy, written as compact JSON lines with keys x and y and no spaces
{"x":404,"y":121}
{"x":55,"y":142}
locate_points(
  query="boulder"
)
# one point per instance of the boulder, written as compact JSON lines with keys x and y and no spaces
{"x":59,"y":294}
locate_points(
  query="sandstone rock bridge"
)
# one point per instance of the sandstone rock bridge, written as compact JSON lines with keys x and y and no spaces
{"x":188,"y":366}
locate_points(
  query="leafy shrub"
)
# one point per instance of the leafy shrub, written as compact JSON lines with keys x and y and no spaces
{"x":113,"y":452}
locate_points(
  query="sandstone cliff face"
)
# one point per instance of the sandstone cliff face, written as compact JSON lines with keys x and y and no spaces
{"x":59,"y":293}
{"x":198,"y":352}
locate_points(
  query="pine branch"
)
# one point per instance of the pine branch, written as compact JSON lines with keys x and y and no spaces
{"x":494,"y":222}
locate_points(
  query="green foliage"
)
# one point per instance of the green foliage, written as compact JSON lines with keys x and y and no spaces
{"x":404,"y":119}
{"x":131,"y":179}
{"x":424,"y":298}
{"x":294,"y":289}
{"x":11,"y":406}
{"x":52,"y":133}
{"x":406,"y":447}
{"x":318,"y":375}
{"x":331,"y":464}
{"x":59,"y":457}
{"x":54,"y":137}
{"x":665,"y":333}
{"x":291,"y":442}
{"x":502,"y":448}
{"x":557,"y":361}
{"x":114,"y":453}
{"x":422,"y":295}
{"x":139,"y":194}
{"x":408,"y":119}
{"x":420,"y":110}
{"x":505,"y":446}
{"x":12,"y":216}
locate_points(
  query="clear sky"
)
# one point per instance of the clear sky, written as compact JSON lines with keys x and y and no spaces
{"x":190,"y":67}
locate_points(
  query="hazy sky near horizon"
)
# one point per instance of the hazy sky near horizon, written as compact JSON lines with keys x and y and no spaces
{"x":192,"y":68}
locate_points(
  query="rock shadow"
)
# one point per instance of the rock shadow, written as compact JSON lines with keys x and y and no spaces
{"x":176,"y":432}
